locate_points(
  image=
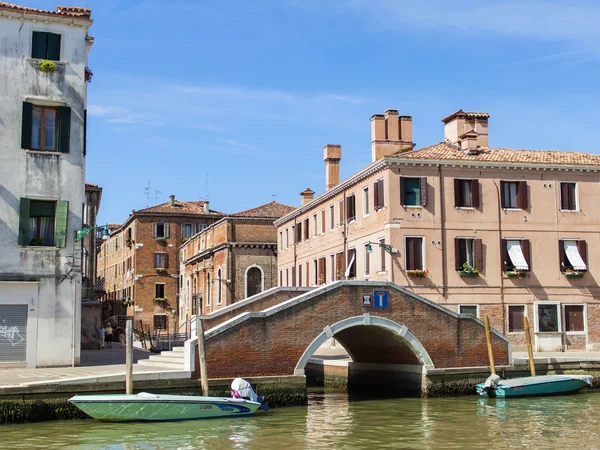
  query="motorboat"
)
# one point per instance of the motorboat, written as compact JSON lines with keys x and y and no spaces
{"x":543,"y":385}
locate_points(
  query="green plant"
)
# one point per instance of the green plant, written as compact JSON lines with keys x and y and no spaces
{"x":468,"y":269}
{"x":321,"y":279}
{"x":515,"y":274}
{"x":47,"y":66}
{"x":128,"y":302}
{"x":37,"y":241}
{"x":129,"y":242}
{"x":160,"y":299}
{"x":161,"y":269}
{"x":417,"y":273}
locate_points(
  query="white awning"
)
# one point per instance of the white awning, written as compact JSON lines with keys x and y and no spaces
{"x":515,"y":253}
{"x":573,"y":255}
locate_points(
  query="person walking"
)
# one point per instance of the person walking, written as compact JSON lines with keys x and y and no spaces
{"x":102,"y":337}
{"x":109,"y":336}
{"x":122,"y":336}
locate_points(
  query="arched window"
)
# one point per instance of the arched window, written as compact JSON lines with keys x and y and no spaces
{"x":220,"y":287}
{"x":254,"y":281}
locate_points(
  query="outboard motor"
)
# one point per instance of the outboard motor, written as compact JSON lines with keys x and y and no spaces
{"x":490,"y":386}
{"x":240,"y":388}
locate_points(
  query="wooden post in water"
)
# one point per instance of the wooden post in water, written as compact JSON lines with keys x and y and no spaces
{"x":202,"y":355}
{"x":129,"y":357}
{"x":529,"y":349}
{"x":488,"y":339}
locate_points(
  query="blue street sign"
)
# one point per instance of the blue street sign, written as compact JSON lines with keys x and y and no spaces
{"x":380,"y":299}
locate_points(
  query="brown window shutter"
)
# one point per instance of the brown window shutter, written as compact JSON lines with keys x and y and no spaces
{"x":410,"y":254}
{"x":564,"y":196}
{"x":423,"y":191}
{"x":381,"y":194}
{"x":478,"y":254}
{"x":457,"y":193}
{"x":582,"y":248}
{"x":562,"y":257}
{"x":308,"y":274}
{"x":504,"y":255}
{"x":522,"y":194}
{"x":475,"y":193}
{"x":323,"y":221}
{"x":155,"y":260}
{"x":526,"y":248}
{"x":457,"y":263}
{"x":300,"y":275}
{"x":376,"y":195}
{"x":293,"y":276}
{"x":502,"y":197}
{"x":166,"y":260}
{"x":402,"y":192}
{"x":342,"y":205}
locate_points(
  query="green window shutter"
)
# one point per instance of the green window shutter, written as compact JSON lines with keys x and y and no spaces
{"x":60,"y":223}
{"x":38,"y":45}
{"x":24,"y":221}
{"x":26,"y":125}
{"x":64,"y":128}
{"x":53,"y":47}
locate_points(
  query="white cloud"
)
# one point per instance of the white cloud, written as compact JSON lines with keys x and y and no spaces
{"x":121,"y":115}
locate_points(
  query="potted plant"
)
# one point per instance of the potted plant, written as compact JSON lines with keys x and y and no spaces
{"x":516,"y":274}
{"x":47,"y":66}
{"x":128,"y":302}
{"x":129,"y":242}
{"x":321,"y":279}
{"x":88,"y":74}
{"x":571,"y":273}
{"x":160,"y":299}
{"x":467,"y":270}
{"x":417,"y":273}
{"x":161,"y":270}
{"x":37,"y":241}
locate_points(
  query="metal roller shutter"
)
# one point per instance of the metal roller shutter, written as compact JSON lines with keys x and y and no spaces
{"x":13,"y":333}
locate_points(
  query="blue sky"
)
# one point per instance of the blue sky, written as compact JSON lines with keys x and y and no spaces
{"x":248,"y":92}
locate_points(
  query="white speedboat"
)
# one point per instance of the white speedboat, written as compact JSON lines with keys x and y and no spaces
{"x":161,"y":407}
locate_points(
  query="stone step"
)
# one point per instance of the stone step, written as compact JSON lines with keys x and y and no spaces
{"x":168,"y":359}
{"x":178,"y":349}
{"x":172,"y":354}
{"x":160,"y":364}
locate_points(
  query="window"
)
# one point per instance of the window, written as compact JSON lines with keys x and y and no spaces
{"x":548,"y":318}
{"x":254,"y":281}
{"x":466,"y":193}
{"x":340,"y":265}
{"x":280,"y":240}
{"x":160,"y":230}
{"x":188,"y":230}
{"x":574,"y":318}
{"x":378,"y":194}
{"x":159,"y":290}
{"x":287,"y":277}
{"x":200,"y":227}
{"x":43,"y":223}
{"x":414,"y":253}
{"x":315,"y":272}
{"x":332,"y":268}
{"x":208,"y":289}
{"x":365,"y":201}
{"x":413,"y":191}
{"x":382,"y":255}
{"x":160,"y":322}
{"x":287,"y":238}
{"x":322,"y":270}
{"x":469,"y":309}
{"x":45,"y":45}
{"x":367,"y":259}
{"x":306,"y":230}
{"x":468,"y":251}
{"x":220,"y":286}
{"x":351,"y":208}
{"x":331,"y":218}
{"x":300,"y":275}
{"x":46,"y":128}
{"x":513,"y":194}
{"x":280,"y":278}
{"x":307,"y":273}
{"x":351,"y":269}
{"x":314,"y":231}
{"x":298,"y":232}
{"x":568,"y":199}
{"x":323,"y":222}
{"x":573,"y":255}
{"x":515,"y":318}
{"x":341,"y":212}
{"x":515,"y":255}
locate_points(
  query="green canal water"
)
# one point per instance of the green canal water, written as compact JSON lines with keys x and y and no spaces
{"x":333,"y":421}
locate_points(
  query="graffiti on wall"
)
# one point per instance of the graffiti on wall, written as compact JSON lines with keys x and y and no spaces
{"x":10,"y":333}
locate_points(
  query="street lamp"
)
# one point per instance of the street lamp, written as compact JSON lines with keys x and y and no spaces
{"x":81,"y":233}
{"x":387,"y":248}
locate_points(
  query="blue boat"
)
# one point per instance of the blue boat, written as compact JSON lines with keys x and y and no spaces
{"x":533,"y":386}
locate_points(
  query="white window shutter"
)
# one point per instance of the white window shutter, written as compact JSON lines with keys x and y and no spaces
{"x":167,"y":230}
{"x":154,"y":229}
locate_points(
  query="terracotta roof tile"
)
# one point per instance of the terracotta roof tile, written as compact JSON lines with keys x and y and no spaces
{"x":461,"y":113}
{"x":61,"y":11}
{"x":179,"y":208}
{"x":271,"y":210}
{"x":448,"y":152}
{"x":114,"y":226}
{"x":90,"y":185}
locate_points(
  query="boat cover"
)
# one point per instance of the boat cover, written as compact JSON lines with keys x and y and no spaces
{"x":240,"y":388}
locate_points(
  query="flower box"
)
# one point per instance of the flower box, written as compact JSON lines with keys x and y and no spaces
{"x":462,"y":273}
{"x":574,"y":274}
{"x":161,"y":270}
{"x":417,"y":273}
{"x":516,"y":274}
{"x":160,"y":300}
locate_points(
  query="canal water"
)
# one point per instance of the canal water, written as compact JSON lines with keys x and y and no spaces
{"x":334,"y":421}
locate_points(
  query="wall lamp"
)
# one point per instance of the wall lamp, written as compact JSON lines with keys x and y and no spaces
{"x":81,"y":233}
{"x":387,"y":248}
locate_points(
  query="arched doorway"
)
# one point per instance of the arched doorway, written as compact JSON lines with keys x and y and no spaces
{"x":254,"y":281}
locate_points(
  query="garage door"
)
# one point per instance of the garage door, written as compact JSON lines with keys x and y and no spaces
{"x":13,"y":333}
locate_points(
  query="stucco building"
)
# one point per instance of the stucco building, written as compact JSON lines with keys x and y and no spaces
{"x":230,"y":260}
{"x":43,"y":92}
{"x":139,"y":264}
{"x":481,"y":230}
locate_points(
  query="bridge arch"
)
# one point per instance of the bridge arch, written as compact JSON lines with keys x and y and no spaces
{"x":399,"y":331}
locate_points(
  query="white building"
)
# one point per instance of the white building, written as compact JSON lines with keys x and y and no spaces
{"x":43,"y":61}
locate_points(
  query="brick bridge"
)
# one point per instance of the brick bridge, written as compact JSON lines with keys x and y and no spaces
{"x":276,"y":333}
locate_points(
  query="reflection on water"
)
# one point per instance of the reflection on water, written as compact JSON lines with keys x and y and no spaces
{"x":333,"y":421}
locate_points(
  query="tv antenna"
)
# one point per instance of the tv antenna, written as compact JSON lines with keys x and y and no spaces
{"x":149,"y":192}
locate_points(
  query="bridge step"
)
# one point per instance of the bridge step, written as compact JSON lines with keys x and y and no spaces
{"x":171,"y":359}
{"x":161,"y":364}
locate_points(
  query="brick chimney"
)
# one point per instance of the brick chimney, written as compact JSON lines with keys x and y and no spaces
{"x":172,"y":200}
{"x":462,"y":125}
{"x":332,"y":154}
{"x":307,"y":196}
{"x":390,"y":134}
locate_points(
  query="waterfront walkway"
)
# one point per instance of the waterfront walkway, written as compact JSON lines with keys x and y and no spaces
{"x":97,"y":366}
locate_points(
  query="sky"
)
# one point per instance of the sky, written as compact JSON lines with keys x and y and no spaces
{"x":232,"y":101}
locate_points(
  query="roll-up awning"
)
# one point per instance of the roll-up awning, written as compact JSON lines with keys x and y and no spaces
{"x":515,"y":253}
{"x":573,"y":255}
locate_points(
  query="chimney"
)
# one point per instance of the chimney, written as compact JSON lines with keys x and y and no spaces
{"x":332,"y":154}
{"x":307,"y":196}
{"x":463,"y":125}
{"x":172,"y":200}
{"x":205,"y":207}
{"x":390,"y":134}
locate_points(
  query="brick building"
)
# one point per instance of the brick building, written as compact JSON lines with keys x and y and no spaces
{"x":481,"y":230}
{"x":230,"y":260}
{"x":139,"y":264}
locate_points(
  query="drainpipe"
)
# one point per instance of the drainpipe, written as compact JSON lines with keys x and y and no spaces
{"x":443,"y":226}
{"x":500,"y":247}
{"x":295,"y":260}
{"x":345,"y":232}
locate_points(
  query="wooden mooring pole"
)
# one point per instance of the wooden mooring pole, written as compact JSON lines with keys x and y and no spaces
{"x":488,"y":339}
{"x":529,"y":349}
{"x":129,"y":357}
{"x":202,"y":355}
